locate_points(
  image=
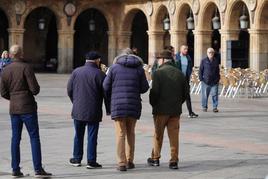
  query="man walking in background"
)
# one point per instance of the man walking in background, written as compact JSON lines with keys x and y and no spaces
{"x":209,"y":75}
{"x":184,"y":63}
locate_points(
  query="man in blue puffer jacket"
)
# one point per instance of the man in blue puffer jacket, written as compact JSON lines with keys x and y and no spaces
{"x":123,"y":85}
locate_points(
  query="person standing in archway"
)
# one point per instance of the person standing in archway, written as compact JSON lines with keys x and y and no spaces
{"x":184,"y":63}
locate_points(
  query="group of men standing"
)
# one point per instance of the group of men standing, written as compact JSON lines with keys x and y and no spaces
{"x":121,"y":90}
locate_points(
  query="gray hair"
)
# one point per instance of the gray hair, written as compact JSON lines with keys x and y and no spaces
{"x":126,"y":51}
{"x":210,"y":49}
{"x":15,"y":50}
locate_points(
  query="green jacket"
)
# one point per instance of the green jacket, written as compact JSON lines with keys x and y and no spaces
{"x":168,"y":90}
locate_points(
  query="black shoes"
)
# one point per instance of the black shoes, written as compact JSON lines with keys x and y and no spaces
{"x":173,"y":165}
{"x":75,"y":162}
{"x":215,"y":110}
{"x":130,"y":165}
{"x":93,"y":165}
{"x":205,"y":109}
{"x":17,"y":174}
{"x":193,"y":115}
{"x":122,"y":168}
{"x":152,"y":162}
{"x":42,"y":174}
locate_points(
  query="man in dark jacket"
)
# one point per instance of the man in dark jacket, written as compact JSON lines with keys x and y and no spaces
{"x":19,"y":86}
{"x":185,"y":65}
{"x":209,"y":75}
{"x":123,"y":85}
{"x":86,"y":93}
{"x":166,"y":97}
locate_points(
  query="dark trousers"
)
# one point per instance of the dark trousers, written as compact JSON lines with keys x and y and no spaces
{"x":31,"y":123}
{"x":189,"y":103}
{"x":92,"y":136}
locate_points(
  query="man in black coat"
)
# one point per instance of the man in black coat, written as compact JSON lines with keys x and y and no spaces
{"x":86,"y":93}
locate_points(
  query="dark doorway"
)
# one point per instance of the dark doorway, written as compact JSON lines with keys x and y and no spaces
{"x":190,"y":43}
{"x":87,"y":38}
{"x":3,"y":32}
{"x":40,"y":43}
{"x":238,"y":51}
{"x":139,"y":37}
{"x":216,"y":44}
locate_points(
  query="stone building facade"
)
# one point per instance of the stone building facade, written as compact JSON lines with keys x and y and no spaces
{"x":61,"y":31}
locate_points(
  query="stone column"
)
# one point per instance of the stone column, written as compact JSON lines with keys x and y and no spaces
{"x":123,"y":40}
{"x":16,"y":36}
{"x":225,"y":36}
{"x":65,"y":51}
{"x":178,"y":38}
{"x":155,"y":44}
{"x":258,"y":52}
{"x":112,"y":51}
{"x":202,"y":41}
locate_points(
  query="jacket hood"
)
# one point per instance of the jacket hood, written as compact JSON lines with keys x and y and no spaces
{"x":129,"y":60}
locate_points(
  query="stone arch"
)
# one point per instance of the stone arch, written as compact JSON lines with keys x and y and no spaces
{"x":261,"y":17}
{"x":182,"y":14}
{"x":129,"y":17}
{"x":207,"y":12}
{"x":104,"y":11}
{"x":233,"y":12}
{"x":90,"y":40}
{"x":54,"y":11}
{"x":41,"y":45}
{"x":160,"y":14}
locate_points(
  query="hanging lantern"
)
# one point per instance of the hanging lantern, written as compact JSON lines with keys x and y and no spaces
{"x":92,"y":25}
{"x":216,"y":23}
{"x":166,"y":24}
{"x":41,"y":24}
{"x":243,"y":19}
{"x":190,"y":22}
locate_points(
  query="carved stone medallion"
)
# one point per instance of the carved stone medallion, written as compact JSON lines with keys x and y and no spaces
{"x":222,"y":5}
{"x":69,"y":9}
{"x":196,"y":6}
{"x":20,"y":7}
{"x":149,"y":8}
{"x":171,"y":6}
{"x":252,"y":4}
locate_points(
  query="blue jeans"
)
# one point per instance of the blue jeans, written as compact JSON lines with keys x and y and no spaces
{"x":31,"y":123}
{"x":206,"y":90}
{"x":92,"y":136}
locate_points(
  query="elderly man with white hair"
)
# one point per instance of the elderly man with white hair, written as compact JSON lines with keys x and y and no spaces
{"x":209,"y":75}
{"x":19,"y":86}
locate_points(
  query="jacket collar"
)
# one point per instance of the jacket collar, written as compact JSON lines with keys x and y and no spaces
{"x":167,"y":63}
{"x":91,"y":64}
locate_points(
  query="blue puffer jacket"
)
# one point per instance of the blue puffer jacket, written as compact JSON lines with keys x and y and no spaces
{"x":123,"y":85}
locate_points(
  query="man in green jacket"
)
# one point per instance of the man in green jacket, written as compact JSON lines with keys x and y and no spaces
{"x":167,"y":95}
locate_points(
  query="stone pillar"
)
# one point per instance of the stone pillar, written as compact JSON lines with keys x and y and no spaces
{"x":202,"y":41}
{"x":155,"y":44}
{"x":65,"y":51}
{"x":123,"y":40}
{"x":258,"y":52}
{"x":178,"y":38}
{"x":225,"y":36}
{"x":16,"y":36}
{"x":111,"y":46}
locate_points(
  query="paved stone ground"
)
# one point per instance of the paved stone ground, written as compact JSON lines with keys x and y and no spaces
{"x":230,"y":144}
